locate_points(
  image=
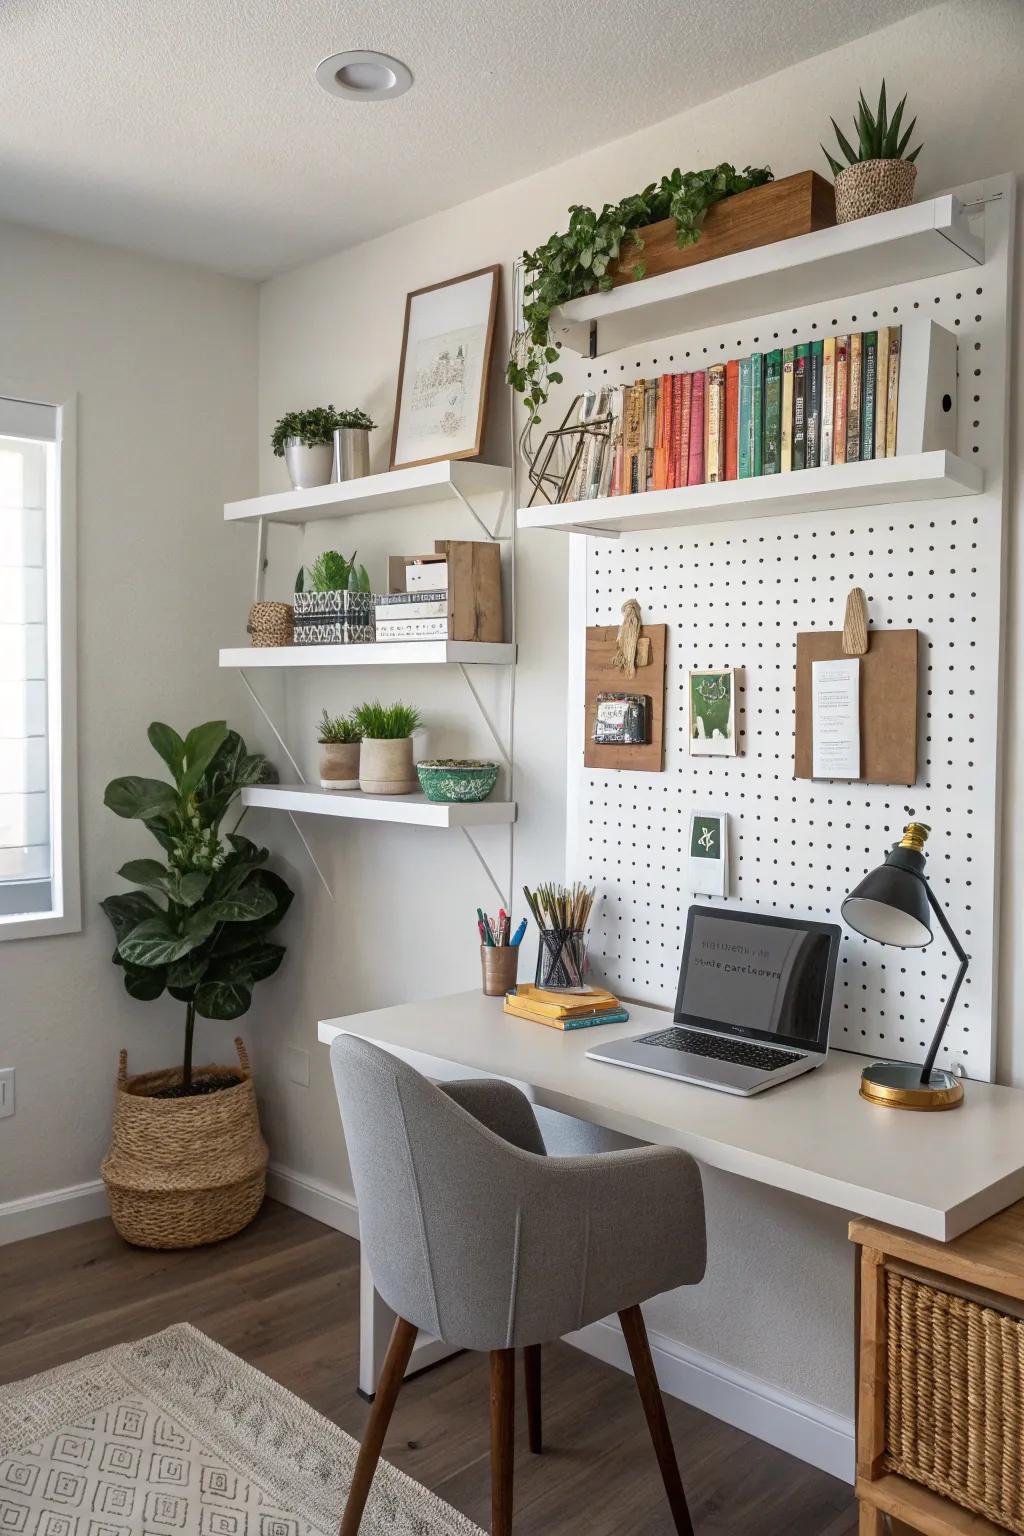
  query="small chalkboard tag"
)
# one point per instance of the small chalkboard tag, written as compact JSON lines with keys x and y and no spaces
{"x":622,"y":720}
{"x":709,"y":853}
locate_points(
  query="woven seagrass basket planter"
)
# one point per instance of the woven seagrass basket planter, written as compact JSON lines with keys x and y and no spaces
{"x":955,"y":1398}
{"x":188,"y":1171}
{"x":874,"y":186}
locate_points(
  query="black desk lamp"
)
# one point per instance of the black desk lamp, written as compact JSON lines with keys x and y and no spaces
{"x":893,"y":905}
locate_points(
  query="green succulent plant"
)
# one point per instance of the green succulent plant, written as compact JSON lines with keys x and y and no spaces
{"x":877,"y":137}
{"x":331,"y":572}
{"x":337,"y":730}
{"x":386,"y":722}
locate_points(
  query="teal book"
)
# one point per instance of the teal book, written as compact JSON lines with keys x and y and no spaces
{"x":801,"y":382}
{"x":745,"y":440}
{"x":868,"y":404}
{"x":814,"y":383}
{"x":612,"y":1016}
{"x":756,"y":414}
{"x":772,"y":412}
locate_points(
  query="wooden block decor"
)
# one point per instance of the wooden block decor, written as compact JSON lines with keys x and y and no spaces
{"x":475,"y":610}
{"x":603,"y":677}
{"x":888,"y":702}
{"x":797,"y":205}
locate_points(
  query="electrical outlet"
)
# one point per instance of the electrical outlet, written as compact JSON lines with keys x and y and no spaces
{"x":6,"y":1091}
{"x":298,"y":1066}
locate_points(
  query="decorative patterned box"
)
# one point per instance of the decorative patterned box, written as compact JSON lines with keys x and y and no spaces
{"x":334,"y":618}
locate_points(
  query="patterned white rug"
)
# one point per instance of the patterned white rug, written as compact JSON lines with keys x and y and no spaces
{"x":174,"y":1436}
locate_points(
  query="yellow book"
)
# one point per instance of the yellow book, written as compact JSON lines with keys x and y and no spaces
{"x":612,"y":1013}
{"x":714,"y":422}
{"x":881,"y":390}
{"x":786,"y":413}
{"x":560,"y":1004}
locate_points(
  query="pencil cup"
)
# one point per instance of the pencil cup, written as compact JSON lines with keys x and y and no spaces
{"x":500,"y":966}
{"x":561,"y":959}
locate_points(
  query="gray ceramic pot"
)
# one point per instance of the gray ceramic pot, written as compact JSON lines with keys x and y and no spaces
{"x":386,"y":767}
{"x":308,"y":467}
{"x":339,"y":765}
{"x":351,"y":453}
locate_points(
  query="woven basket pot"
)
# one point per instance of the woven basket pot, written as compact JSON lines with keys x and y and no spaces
{"x":874,"y":186}
{"x":271,"y":624}
{"x":183,"y":1172}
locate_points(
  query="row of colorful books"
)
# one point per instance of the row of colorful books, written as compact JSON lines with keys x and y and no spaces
{"x":580,"y":1009}
{"x":829,"y":401}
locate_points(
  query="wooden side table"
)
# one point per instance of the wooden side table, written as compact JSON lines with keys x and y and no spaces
{"x":940,"y":1390}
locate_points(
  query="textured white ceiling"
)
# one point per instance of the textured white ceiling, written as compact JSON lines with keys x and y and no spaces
{"x":194,"y":128}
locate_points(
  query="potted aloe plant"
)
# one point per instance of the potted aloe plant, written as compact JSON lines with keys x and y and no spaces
{"x":339,"y":739}
{"x":305,"y":440}
{"x":385,"y":756}
{"x":879,"y":174}
{"x":333,"y":602}
{"x":187,"y":1163}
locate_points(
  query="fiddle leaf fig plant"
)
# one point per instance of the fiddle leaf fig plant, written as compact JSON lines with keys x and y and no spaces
{"x":198,"y":924}
{"x":577,"y":262}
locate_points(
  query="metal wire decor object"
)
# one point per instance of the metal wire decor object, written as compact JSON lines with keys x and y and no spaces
{"x":569,"y":439}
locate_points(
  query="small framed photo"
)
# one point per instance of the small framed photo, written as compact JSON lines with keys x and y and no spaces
{"x":443,"y":376}
{"x":709,"y":853}
{"x":712,"y":700}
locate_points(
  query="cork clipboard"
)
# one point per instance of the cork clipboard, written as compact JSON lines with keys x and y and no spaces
{"x":888,"y":694}
{"x":603,"y":677}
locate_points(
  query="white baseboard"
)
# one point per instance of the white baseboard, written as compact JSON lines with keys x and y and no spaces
{"x":813,"y":1434}
{"x":324,"y":1202}
{"x":49,"y":1212}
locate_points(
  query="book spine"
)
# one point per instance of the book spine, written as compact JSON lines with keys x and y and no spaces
{"x":801,"y":386}
{"x":854,"y":387}
{"x":881,"y":389}
{"x":714,"y":451}
{"x":732,"y":418}
{"x":839,"y":415}
{"x":756,"y":414}
{"x":413,"y":629}
{"x":412,"y":599}
{"x":813,"y":457}
{"x":684,"y":397}
{"x":650,"y":417}
{"x":828,"y":400}
{"x":743,"y":425}
{"x":869,"y":367}
{"x":892,"y":402}
{"x":772,"y":411}
{"x":695,"y":475}
{"x":662,"y":434}
{"x":786,"y":411}
{"x":385,"y":613}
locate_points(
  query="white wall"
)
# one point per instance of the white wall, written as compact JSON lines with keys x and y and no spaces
{"x":164,"y":362}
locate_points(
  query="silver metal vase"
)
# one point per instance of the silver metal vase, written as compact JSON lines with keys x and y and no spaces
{"x":351,"y":453}
{"x":307,"y":466}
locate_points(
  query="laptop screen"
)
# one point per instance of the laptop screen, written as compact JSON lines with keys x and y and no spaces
{"x":766,"y":978}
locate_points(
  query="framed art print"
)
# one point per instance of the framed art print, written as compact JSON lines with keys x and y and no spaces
{"x":709,"y":853}
{"x":712,"y":698}
{"x":445,"y":368}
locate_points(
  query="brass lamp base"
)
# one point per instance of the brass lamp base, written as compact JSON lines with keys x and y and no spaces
{"x":898,"y":1085}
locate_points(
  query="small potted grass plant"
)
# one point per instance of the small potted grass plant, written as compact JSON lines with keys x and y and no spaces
{"x":385,"y":755}
{"x":305,"y":440}
{"x":339,"y":739}
{"x":879,"y":174}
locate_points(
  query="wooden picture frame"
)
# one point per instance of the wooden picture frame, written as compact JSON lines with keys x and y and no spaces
{"x":445,"y":416}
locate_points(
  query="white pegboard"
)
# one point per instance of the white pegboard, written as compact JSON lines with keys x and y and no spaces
{"x":736,"y":596}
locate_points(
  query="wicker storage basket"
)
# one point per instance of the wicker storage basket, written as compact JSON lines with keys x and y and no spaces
{"x":271,"y":624}
{"x":955,"y":1399}
{"x":182,"y":1172}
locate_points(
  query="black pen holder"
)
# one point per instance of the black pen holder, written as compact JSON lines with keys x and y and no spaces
{"x":561,"y":959}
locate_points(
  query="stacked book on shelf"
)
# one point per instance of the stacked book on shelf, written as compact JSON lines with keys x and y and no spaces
{"x":579,"y":1009}
{"x":829,"y":401}
{"x":421,"y":612}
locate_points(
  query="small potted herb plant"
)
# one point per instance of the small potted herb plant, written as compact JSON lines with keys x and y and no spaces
{"x":385,"y":756}
{"x":333,"y":602}
{"x":879,"y":174}
{"x":352,"y":445}
{"x":305,"y":440}
{"x":339,"y":739}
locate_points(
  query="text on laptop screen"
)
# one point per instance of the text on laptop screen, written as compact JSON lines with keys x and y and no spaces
{"x":754,"y":976}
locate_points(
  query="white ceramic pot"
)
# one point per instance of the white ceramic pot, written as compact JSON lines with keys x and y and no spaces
{"x":308,"y":467}
{"x":351,"y":453}
{"x":386,"y":767}
{"x":339,"y":765}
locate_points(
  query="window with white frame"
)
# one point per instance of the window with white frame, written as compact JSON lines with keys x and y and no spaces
{"x":38,"y":781}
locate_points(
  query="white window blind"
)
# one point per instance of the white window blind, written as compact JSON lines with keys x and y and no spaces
{"x":29,"y":546}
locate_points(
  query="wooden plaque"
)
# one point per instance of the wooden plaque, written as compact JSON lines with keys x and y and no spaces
{"x":603,"y":677}
{"x":888,"y":702}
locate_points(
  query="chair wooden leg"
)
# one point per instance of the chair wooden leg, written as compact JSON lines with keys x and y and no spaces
{"x":871,"y":1521}
{"x":531,"y":1374}
{"x":503,"y":1429}
{"x":392,"y":1374}
{"x":635,"y":1331}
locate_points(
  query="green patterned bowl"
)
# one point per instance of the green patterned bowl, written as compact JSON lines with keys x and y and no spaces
{"x":448,"y":779}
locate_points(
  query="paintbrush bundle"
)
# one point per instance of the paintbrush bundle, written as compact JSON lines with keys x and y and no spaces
{"x":561,"y":914}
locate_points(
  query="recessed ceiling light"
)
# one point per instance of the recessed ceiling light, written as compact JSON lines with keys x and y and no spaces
{"x":364,"y":75}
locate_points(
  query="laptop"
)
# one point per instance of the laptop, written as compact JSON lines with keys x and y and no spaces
{"x":753,"y":1005}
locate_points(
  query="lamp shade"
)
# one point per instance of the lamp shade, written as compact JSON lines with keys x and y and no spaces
{"x":890,"y":906}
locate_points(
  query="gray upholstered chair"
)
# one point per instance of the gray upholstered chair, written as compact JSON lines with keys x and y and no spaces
{"x":474,"y":1235}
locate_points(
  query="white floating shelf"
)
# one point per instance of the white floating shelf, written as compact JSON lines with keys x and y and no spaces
{"x":924,"y":240}
{"x":413,"y":810}
{"x":421,"y":485}
{"x":877,"y":482}
{"x":381,"y":653}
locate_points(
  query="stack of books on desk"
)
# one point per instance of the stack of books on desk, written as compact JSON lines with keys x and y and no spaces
{"x":419,"y":614}
{"x":565,"y":1010}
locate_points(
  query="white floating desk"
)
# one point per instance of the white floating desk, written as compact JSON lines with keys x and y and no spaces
{"x":936,"y":1174}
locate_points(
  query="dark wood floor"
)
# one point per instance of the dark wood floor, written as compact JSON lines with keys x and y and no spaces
{"x":284,"y":1295}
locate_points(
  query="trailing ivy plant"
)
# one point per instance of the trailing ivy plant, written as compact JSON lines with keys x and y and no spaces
{"x":199,"y":924}
{"x":575,"y":263}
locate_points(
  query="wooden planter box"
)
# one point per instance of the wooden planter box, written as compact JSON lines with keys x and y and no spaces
{"x":778,"y":211}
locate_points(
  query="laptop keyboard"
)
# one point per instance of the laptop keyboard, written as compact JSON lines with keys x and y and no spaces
{"x":743,"y":1052}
